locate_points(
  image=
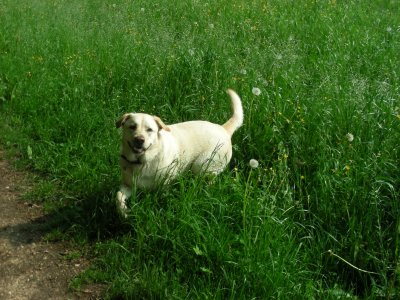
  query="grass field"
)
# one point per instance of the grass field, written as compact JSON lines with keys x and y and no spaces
{"x":320,"y":216}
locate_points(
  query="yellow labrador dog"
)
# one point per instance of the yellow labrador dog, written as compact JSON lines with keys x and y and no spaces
{"x":153,"y":152}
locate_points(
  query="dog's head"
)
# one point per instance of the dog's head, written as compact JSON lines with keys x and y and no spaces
{"x":140,"y":131}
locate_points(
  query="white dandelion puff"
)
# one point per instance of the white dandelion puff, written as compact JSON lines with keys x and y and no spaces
{"x":253,"y":163}
{"x":256,"y":91}
{"x":264,"y":81}
{"x":349,"y":137}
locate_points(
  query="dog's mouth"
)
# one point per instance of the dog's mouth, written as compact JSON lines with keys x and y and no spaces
{"x":138,"y":149}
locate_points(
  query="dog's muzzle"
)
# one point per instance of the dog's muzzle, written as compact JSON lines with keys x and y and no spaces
{"x":137,"y":145}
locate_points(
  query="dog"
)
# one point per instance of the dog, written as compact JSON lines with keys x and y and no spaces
{"x":153,"y":152}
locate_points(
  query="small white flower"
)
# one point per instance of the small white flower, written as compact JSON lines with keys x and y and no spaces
{"x":211,"y":25}
{"x":191,"y":52}
{"x":256,"y":91}
{"x":142,"y":9}
{"x":253,"y":163}
{"x":389,"y":29}
{"x":349,"y":137}
{"x":243,"y":71}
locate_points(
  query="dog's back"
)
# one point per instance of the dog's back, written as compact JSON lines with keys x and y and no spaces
{"x":205,"y":145}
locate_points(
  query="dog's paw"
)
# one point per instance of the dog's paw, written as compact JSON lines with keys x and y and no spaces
{"x":121,"y":204}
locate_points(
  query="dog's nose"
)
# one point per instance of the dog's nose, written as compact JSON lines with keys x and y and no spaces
{"x":138,"y":141}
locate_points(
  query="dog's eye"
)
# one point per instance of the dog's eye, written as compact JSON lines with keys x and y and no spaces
{"x":132,"y":127}
{"x":150,"y":130}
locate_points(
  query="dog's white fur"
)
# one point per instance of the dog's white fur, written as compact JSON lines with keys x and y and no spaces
{"x":153,"y":152}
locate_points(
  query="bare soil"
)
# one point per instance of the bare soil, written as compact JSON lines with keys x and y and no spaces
{"x":30,"y":267}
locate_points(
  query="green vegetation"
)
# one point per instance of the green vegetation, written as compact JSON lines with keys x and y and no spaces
{"x":325,"y":131}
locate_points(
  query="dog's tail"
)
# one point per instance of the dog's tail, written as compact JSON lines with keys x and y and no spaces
{"x":237,"y":113}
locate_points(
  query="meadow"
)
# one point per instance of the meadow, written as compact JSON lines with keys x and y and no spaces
{"x":318,"y":218}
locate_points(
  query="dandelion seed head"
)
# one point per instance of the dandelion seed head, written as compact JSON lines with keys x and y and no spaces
{"x":264,"y":81}
{"x":253,"y":163}
{"x":256,"y":91}
{"x":349,"y":137}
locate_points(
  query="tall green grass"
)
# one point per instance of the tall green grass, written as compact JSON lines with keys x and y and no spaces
{"x":326,"y":69}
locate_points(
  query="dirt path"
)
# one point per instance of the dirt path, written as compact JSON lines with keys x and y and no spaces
{"x":31,"y":268}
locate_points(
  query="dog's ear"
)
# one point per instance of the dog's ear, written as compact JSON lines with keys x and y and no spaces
{"x":121,"y":121}
{"x":161,"y":124}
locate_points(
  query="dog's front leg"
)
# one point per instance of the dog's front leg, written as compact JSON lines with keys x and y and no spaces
{"x":124,"y":192}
